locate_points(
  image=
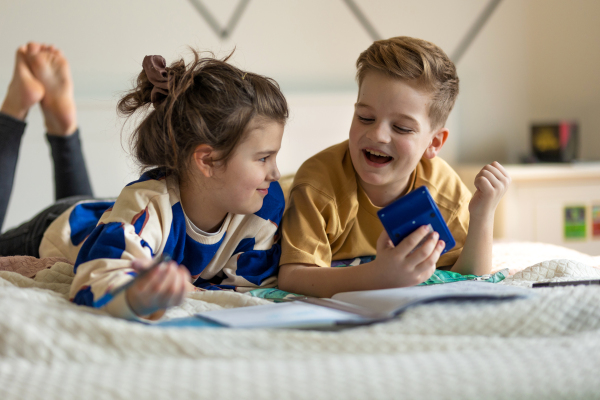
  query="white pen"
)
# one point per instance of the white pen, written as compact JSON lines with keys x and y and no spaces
{"x":163,"y":258}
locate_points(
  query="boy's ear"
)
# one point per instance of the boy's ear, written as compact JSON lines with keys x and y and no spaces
{"x":437,"y":142}
{"x":203,"y":159}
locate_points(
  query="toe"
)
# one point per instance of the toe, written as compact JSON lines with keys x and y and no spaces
{"x":33,"y":48}
{"x":22,"y":50}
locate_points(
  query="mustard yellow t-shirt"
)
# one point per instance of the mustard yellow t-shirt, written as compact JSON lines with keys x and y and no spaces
{"x":329,"y":216}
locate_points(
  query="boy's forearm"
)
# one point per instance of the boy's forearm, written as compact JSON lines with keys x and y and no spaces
{"x":476,"y":256}
{"x":312,"y":280}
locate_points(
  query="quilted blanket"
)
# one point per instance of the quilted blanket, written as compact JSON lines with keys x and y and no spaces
{"x":546,"y":346}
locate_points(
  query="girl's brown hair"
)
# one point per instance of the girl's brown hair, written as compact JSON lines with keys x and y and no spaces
{"x":417,"y":60}
{"x":209,"y":102}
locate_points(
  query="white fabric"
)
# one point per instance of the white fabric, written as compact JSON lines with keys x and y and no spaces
{"x":545,"y":347}
{"x":200,"y":231}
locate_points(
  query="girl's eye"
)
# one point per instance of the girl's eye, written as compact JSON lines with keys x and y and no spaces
{"x":366,"y":120}
{"x":264,"y":159}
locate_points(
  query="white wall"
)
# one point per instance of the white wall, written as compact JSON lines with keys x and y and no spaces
{"x":494,"y":74}
{"x":536,"y":60}
{"x":310,"y":47}
{"x":565,"y":66}
{"x":303,"y":44}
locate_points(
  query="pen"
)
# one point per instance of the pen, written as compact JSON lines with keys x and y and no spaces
{"x":163,"y":258}
{"x":113,"y":293}
{"x":566,"y":283}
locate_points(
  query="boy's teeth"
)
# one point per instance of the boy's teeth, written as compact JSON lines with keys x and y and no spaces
{"x":376,"y":153}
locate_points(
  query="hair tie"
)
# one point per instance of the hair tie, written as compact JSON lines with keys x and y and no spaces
{"x":155,"y":68}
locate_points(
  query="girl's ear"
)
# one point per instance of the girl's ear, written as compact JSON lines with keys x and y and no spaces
{"x":203,"y":160}
{"x":437,"y":142}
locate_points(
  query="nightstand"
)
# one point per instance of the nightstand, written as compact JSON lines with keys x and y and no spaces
{"x":533,"y":209}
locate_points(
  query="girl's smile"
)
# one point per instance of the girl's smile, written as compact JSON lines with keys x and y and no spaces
{"x":241,"y":185}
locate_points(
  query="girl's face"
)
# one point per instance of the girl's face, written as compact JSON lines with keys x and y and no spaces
{"x":244,"y":181}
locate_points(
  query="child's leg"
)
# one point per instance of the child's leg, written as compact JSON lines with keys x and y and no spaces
{"x":25,"y":239}
{"x":56,"y":95}
{"x":23,"y":92}
{"x":51,"y":68}
{"x":11,"y":130}
{"x":70,"y":173}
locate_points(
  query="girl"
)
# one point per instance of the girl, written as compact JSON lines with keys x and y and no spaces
{"x":208,"y":197}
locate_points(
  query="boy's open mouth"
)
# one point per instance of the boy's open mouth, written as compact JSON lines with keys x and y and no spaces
{"x":376,"y":156}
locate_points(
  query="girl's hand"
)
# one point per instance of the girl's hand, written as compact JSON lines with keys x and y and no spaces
{"x":162,"y":288}
{"x":491,"y":184}
{"x":403,"y":265}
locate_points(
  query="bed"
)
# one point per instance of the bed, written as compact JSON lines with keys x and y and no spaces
{"x":546,"y":346}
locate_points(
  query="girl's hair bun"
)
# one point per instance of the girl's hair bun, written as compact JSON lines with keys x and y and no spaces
{"x":155,"y":68}
{"x":207,"y":101}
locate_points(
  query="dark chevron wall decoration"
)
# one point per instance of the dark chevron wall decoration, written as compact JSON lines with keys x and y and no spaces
{"x":222,"y":32}
{"x":360,"y":16}
{"x":225,"y":32}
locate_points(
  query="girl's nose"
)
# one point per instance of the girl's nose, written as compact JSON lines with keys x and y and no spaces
{"x":274,"y":175}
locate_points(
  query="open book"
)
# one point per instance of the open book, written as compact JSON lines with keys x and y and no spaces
{"x":349,"y":308}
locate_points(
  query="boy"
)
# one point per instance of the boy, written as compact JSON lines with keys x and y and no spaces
{"x":407,"y":88}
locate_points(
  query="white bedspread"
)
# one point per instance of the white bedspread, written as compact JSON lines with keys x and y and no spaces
{"x":545,"y":347}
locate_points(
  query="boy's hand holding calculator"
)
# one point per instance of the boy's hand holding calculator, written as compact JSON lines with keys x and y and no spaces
{"x":409,"y":212}
{"x":415,"y":236}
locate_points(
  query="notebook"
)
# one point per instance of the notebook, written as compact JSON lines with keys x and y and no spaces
{"x":349,"y":308}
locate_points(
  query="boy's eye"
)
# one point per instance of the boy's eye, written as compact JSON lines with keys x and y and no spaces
{"x":402,"y":130}
{"x":264,"y":159}
{"x":363,"y":119}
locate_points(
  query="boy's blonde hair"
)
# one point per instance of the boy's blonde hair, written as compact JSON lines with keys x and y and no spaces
{"x":417,"y":60}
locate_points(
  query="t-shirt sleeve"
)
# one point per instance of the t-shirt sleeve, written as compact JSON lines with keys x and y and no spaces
{"x":309,"y":225}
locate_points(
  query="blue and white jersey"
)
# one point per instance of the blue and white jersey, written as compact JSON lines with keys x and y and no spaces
{"x":146,"y":220}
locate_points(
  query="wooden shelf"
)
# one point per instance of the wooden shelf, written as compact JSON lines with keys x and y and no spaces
{"x":533,"y":207}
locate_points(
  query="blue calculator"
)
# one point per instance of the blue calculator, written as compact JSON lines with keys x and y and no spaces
{"x":412,"y":211}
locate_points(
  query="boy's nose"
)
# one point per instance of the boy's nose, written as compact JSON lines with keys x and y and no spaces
{"x":379,"y":133}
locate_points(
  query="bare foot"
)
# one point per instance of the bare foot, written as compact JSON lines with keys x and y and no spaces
{"x":24,"y":89}
{"x":51,"y":68}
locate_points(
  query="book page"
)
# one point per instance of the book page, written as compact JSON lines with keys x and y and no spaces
{"x":393,"y":301}
{"x":282,"y":315}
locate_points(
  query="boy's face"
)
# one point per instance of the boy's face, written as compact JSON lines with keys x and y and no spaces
{"x":390,"y":132}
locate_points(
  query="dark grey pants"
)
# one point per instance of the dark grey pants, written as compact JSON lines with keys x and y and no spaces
{"x":71,"y":184}
{"x":25,"y":239}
